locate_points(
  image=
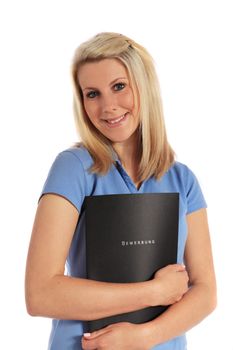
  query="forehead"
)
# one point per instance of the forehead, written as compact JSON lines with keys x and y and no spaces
{"x":102,"y":72}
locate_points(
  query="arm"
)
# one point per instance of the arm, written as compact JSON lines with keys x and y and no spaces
{"x":200,"y":300}
{"x":195,"y":305}
{"x":52,"y":294}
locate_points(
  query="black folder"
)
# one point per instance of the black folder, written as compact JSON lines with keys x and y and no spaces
{"x":128,"y":238}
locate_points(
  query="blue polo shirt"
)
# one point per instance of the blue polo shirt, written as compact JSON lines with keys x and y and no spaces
{"x":69,"y":177}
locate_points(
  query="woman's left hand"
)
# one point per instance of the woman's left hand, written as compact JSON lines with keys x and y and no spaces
{"x":118,"y":336}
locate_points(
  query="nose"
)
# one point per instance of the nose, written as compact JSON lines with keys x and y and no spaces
{"x":109,"y":103}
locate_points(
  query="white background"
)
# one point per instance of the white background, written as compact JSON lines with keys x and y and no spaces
{"x":191,"y":42}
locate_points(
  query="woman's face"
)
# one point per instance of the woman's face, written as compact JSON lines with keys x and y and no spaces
{"x":108,"y":99}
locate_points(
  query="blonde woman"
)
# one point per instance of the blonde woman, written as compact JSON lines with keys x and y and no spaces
{"x":124,"y":149}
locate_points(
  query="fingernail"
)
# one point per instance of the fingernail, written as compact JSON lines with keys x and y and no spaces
{"x":87,"y":335}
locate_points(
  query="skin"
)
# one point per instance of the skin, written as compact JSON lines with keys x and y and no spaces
{"x":107,"y":96}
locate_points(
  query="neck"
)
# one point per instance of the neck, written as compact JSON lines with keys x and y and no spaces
{"x":129,"y":155}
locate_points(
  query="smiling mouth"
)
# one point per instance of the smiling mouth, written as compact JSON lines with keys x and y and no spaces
{"x":116,"y":121}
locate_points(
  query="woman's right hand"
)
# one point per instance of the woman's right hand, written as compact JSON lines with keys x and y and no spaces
{"x":171,"y":283}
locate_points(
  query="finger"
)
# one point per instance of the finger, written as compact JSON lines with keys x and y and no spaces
{"x":88,"y":344}
{"x":94,"y":343}
{"x":95,"y":334}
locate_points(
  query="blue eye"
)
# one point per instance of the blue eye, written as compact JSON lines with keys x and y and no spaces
{"x":119,"y":86}
{"x":92,"y":94}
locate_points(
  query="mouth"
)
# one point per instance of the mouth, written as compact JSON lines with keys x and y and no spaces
{"x":116,"y":121}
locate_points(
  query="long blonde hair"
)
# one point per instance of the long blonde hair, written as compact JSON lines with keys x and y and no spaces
{"x":156,"y":154}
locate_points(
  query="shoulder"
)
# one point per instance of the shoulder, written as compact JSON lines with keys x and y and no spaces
{"x":76,"y":155}
{"x":69,"y":175}
{"x":181,"y":173}
{"x":180,"y":168}
{"x":188,"y":185}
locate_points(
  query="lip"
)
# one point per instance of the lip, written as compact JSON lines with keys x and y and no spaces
{"x":114,"y":122}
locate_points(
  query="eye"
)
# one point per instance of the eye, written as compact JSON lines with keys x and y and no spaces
{"x":119,"y":86}
{"x":92,"y":94}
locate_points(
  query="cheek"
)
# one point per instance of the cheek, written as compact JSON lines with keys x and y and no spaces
{"x":91,"y":110}
{"x":128,"y":100}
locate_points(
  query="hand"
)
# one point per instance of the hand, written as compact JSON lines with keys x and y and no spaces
{"x":118,"y":336}
{"x":172,"y":284}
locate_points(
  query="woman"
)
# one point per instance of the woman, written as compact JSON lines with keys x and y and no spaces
{"x":124,"y":149}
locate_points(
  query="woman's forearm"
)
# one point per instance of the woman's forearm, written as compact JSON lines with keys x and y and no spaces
{"x":74,"y":298}
{"x":66,"y":297}
{"x":196,"y":304}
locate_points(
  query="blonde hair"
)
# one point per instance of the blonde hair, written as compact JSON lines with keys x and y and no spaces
{"x":156,"y":155}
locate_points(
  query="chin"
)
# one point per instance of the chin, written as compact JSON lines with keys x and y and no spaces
{"x":120,"y":139}
{"x":120,"y":136}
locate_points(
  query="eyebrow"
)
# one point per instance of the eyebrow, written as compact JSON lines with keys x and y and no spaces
{"x":112,"y":82}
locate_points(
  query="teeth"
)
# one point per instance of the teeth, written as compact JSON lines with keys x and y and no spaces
{"x":116,"y":120}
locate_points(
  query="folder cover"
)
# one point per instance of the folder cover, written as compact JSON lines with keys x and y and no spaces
{"x":128,"y":238}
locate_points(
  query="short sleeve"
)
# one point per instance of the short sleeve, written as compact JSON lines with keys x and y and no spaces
{"x":67,"y":179}
{"x":194,"y":196}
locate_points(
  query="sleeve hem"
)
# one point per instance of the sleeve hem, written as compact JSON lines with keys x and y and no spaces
{"x":196,"y":208}
{"x":76,"y":205}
